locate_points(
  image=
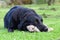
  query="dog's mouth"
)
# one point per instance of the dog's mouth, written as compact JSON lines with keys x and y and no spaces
{"x":44,"y":30}
{"x":33,"y":28}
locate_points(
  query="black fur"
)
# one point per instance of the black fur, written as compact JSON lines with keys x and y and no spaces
{"x":19,"y":17}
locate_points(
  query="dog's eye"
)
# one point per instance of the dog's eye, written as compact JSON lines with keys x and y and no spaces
{"x":36,"y":21}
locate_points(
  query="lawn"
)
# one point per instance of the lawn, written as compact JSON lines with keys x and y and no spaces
{"x":52,"y":21}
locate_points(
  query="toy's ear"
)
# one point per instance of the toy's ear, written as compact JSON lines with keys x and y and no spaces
{"x":50,"y":29}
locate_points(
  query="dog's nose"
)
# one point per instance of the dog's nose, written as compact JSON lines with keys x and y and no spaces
{"x":45,"y":29}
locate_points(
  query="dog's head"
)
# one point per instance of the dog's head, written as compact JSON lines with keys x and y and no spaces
{"x":34,"y":23}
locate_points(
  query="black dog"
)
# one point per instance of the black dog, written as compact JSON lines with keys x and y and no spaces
{"x":19,"y":18}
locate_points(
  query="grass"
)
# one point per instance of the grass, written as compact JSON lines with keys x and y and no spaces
{"x":53,"y":21}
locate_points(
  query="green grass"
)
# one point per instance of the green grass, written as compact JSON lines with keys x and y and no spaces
{"x":53,"y":21}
